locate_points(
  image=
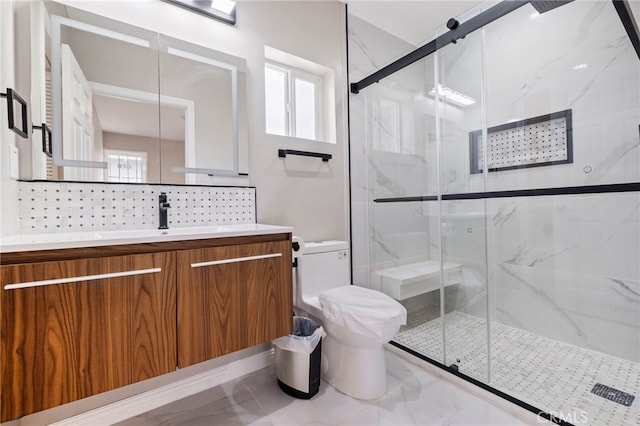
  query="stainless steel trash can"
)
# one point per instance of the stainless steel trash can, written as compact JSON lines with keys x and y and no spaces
{"x":297,"y":369}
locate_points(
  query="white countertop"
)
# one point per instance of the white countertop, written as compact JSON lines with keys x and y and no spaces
{"x":64,"y":240}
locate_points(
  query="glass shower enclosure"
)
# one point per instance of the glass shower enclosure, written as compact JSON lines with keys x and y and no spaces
{"x":495,"y":187}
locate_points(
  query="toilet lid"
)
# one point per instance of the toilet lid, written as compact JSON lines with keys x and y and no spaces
{"x":361,"y":308}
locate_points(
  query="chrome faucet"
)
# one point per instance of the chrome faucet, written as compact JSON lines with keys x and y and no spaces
{"x":163,"y":206}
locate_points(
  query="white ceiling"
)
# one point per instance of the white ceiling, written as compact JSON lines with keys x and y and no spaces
{"x":130,"y":117}
{"x":415,"y":22}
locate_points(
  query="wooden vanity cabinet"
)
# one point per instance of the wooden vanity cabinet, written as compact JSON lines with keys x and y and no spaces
{"x":232,"y":297}
{"x":78,"y":322}
{"x":63,"y":340}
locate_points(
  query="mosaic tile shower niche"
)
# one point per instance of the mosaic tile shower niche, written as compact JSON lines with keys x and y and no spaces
{"x":537,"y":141}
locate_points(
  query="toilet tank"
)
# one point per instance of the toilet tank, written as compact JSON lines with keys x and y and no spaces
{"x":324,"y":265}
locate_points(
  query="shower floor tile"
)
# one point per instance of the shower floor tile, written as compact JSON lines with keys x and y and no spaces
{"x":553,"y":376}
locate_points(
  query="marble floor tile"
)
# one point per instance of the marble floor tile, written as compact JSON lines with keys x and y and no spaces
{"x":219,"y":405}
{"x":415,"y":396}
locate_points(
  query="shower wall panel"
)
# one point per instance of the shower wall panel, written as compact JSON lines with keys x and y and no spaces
{"x":566,"y":267}
{"x":392,"y":129}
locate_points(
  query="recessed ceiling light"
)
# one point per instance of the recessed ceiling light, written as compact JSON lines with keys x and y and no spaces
{"x":450,"y":95}
{"x":580,"y":66}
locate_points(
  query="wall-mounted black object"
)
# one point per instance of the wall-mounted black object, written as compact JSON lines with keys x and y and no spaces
{"x":538,"y":141}
{"x":12,"y":95}
{"x":629,"y":23}
{"x":46,"y":138}
{"x":284,"y":152}
{"x":296,"y":247}
{"x":208,"y":8}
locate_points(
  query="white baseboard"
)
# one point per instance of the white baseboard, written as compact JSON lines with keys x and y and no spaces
{"x":143,"y":402}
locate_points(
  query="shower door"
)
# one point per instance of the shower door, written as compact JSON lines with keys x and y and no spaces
{"x":461,"y":218}
{"x":562,"y":102}
{"x":429,"y":253}
{"x":396,"y":202}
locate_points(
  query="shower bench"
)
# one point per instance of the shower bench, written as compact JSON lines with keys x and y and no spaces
{"x":405,"y":281}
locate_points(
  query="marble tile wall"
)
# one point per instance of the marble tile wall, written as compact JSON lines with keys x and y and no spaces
{"x":572,"y":273}
{"x":564,"y":267}
{"x":45,"y":207}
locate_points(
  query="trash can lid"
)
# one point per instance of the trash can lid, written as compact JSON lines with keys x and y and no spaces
{"x":361,"y":307}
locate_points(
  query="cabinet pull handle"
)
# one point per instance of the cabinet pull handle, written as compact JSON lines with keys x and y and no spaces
{"x":234,"y":260}
{"x":83,"y":278}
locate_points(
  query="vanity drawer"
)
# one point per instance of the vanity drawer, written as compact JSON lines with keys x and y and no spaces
{"x":72,"y":329}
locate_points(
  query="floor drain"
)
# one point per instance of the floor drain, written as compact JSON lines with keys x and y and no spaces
{"x":612,"y":394}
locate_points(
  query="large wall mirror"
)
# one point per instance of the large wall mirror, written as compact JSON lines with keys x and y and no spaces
{"x":132,"y":105}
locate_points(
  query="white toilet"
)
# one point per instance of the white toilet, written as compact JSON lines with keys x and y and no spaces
{"x":358,"y":321}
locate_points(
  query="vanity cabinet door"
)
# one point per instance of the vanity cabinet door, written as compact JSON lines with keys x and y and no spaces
{"x":269,"y":291}
{"x":69,"y":332}
{"x":231,"y":298}
{"x":209,"y":304}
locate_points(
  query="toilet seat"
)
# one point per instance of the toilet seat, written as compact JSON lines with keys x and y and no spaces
{"x":364,"y":311}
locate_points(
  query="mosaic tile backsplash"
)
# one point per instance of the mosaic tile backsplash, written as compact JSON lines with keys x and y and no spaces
{"x":45,"y":207}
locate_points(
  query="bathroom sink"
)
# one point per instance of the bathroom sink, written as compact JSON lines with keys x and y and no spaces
{"x":144,"y":233}
{"x":63,"y":240}
{"x":194,"y":230}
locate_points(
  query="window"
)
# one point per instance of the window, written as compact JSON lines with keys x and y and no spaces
{"x":276,"y":87}
{"x":126,"y":166}
{"x":385,"y":130}
{"x":292,"y":102}
{"x":299,"y":97}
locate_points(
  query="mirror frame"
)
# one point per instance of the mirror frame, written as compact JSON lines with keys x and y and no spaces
{"x":56,"y":82}
{"x":190,"y":155}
